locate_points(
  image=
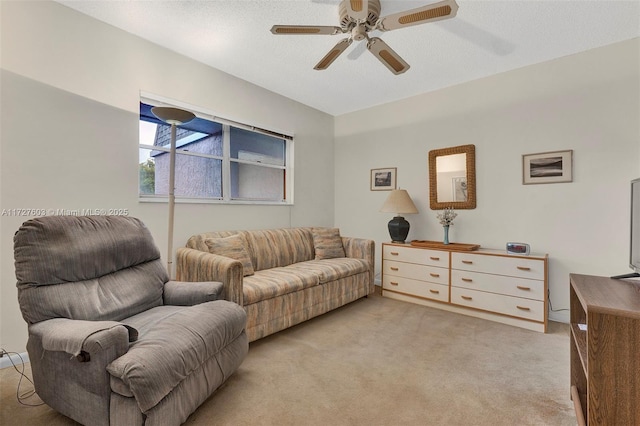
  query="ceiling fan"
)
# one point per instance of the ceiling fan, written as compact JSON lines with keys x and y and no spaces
{"x":359,"y":17}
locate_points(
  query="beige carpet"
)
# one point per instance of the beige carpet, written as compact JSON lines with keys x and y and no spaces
{"x":381,"y":362}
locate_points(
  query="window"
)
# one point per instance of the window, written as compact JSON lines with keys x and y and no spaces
{"x":215,"y":160}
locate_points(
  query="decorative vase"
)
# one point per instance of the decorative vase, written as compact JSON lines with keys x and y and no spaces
{"x":446,"y":234}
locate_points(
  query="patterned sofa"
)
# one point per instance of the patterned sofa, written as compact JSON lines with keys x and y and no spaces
{"x":281,"y":277}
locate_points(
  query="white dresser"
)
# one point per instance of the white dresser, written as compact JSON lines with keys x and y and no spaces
{"x":421,"y":273}
{"x":489,"y":284}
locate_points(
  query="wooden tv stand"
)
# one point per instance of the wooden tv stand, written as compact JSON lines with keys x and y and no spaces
{"x":605,"y":350}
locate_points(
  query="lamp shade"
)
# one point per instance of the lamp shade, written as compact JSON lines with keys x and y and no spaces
{"x":172,"y":115}
{"x":399,"y":202}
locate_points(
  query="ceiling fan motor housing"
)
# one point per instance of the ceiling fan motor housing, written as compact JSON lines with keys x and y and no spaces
{"x":347,"y":23}
{"x":359,"y":32}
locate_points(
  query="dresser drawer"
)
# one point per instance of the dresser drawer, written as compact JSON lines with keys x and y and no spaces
{"x":500,"y":265}
{"x":416,"y":272}
{"x":416,"y":255}
{"x":412,"y":287}
{"x":511,"y":286}
{"x":507,"y":305}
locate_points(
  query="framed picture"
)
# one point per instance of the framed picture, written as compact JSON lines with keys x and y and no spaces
{"x":547,"y":167}
{"x":383,"y":179}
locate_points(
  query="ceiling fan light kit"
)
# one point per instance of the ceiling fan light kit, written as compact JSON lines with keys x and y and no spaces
{"x":359,"y":17}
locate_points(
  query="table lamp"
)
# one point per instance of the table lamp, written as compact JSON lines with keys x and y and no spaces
{"x":399,"y":202}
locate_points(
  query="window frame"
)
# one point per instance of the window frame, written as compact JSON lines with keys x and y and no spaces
{"x":288,"y":167}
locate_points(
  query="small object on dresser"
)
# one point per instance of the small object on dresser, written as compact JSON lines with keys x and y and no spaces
{"x":441,"y":246}
{"x":446,"y":220}
{"x":518,"y":248}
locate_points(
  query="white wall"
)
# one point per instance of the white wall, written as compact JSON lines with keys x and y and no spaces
{"x":69,"y":93}
{"x":588,"y":102}
{"x":70,"y":88}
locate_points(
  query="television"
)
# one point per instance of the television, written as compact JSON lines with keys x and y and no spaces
{"x":634,"y":248}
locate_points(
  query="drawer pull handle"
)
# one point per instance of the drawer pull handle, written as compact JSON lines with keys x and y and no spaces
{"x":394,"y":253}
{"x":394,"y":269}
{"x":521,"y":287}
{"x":467,"y":297}
{"x":435,"y":291}
{"x":434,"y":258}
{"x":467,"y":280}
{"x":523,"y":308}
{"x":434,"y":275}
{"x":393,"y":283}
{"x":524,"y":268}
{"x":468,"y":262}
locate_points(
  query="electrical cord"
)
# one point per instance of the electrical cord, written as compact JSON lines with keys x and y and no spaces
{"x":551,"y":306}
{"x":26,"y":394}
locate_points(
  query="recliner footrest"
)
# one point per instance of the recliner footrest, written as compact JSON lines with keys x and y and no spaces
{"x":173,"y":342}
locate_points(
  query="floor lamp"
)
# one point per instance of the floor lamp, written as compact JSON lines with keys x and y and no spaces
{"x":174,"y":117}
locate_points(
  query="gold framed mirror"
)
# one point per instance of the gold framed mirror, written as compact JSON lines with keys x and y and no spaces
{"x":452,"y":177}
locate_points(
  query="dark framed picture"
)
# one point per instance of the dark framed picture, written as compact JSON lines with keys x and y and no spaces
{"x":383,"y":179}
{"x":547,"y":167}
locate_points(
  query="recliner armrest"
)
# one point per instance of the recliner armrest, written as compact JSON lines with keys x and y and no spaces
{"x":182,"y":293}
{"x":77,"y":336}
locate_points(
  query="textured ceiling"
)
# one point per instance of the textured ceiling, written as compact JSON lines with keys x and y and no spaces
{"x":485,"y":38}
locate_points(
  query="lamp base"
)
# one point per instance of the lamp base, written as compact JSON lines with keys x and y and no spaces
{"x":398,"y":229}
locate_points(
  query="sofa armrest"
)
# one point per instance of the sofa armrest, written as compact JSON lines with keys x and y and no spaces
{"x":360,"y":248}
{"x":195,"y":265}
{"x":83,"y":338}
{"x":181,"y":293}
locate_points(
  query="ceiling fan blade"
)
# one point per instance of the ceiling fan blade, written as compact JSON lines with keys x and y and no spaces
{"x":387,"y":56}
{"x":333,"y":54}
{"x":358,"y":10}
{"x":305,"y":29}
{"x":433,"y":12}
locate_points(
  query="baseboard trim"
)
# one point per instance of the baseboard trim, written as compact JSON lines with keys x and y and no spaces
{"x":6,"y":362}
{"x":560,"y":316}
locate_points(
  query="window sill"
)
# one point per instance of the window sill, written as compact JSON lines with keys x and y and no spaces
{"x":152,"y":199}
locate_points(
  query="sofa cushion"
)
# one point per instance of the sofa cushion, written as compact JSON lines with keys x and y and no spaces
{"x":273,"y":248}
{"x":197,"y":241}
{"x":173,"y":342}
{"x":329,"y":270}
{"x":275,"y":282}
{"x":233,"y":246}
{"x":327,"y":243}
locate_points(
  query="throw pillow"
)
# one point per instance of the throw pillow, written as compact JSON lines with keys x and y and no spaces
{"x":327,"y":243}
{"x":233,"y":247}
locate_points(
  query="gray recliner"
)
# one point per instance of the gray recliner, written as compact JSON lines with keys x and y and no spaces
{"x":112,"y":341}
